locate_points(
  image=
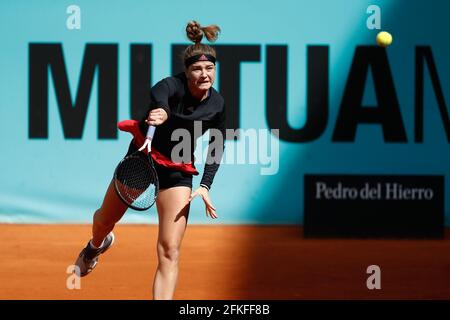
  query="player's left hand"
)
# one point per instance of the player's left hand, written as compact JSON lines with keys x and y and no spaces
{"x":204,"y":193}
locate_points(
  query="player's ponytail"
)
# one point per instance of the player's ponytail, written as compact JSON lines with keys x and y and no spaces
{"x":195,"y":32}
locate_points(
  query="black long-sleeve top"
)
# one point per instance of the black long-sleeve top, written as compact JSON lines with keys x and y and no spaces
{"x":173,"y":95}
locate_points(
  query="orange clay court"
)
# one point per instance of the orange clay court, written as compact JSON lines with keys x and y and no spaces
{"x":223,"y":262}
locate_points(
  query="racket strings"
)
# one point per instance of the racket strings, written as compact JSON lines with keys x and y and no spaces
{"x":136,"y":181}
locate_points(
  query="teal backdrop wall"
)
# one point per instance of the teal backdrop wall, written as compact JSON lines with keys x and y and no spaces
{"x":62,"y":180}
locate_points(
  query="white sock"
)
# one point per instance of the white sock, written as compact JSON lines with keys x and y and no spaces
{"x":94,"y":247}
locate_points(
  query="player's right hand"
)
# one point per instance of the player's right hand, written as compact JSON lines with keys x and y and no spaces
{"x":156,"y":117}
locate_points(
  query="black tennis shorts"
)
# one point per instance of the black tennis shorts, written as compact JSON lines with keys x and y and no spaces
{"x":167,"y":178}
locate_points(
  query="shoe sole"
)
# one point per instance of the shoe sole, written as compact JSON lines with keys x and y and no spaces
{"x":101,"y":252}
{"x":110,"y":245}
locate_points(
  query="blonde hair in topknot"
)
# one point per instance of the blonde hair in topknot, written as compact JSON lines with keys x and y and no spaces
{"x":195,"y":32}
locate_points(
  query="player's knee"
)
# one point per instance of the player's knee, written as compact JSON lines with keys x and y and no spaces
{"x":168,"y":251}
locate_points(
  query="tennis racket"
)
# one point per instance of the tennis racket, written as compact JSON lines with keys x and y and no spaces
{"x":135,"y":177}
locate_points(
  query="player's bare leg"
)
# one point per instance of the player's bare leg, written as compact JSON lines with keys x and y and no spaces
{"x":173,"y":212}
{"x":105,"y":218}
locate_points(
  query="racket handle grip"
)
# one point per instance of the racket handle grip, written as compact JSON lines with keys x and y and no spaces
{"x":150,"y":132}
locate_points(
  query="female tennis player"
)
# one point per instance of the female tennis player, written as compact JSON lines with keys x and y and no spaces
{"x":176,"y":103}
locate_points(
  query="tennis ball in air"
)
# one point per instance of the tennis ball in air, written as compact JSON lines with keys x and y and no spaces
{"x":384,"y":39}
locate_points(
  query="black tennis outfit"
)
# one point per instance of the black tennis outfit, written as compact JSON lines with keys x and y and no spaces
{"x":172,"y":95}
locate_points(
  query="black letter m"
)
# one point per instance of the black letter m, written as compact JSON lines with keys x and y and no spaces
{"x":43,"y":56}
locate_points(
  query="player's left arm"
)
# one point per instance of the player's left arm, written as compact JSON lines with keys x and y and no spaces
{"x":215,"y":152}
